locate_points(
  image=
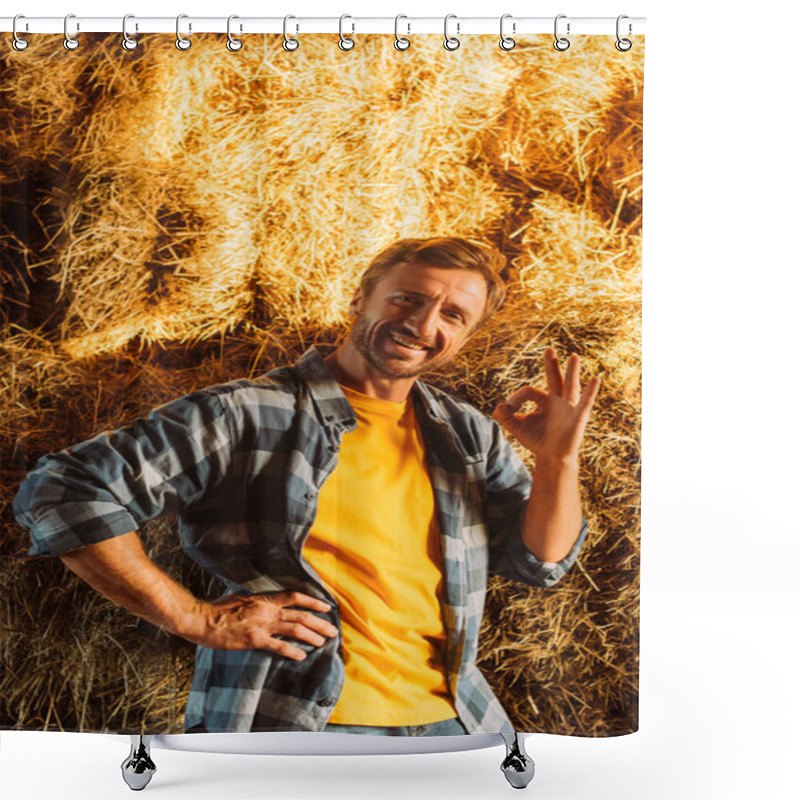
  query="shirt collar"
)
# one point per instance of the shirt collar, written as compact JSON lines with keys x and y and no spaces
{"x":330,"y":401}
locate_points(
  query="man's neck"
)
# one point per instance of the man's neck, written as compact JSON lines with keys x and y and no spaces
{"x":351,"y":369}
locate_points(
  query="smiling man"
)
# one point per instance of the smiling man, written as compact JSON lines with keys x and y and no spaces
{"x":353,"y":512}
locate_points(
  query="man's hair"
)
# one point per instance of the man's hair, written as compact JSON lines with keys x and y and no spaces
{"x":446,"y":252}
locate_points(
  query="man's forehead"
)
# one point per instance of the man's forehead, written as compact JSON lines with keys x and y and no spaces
{"x":464,"y":285}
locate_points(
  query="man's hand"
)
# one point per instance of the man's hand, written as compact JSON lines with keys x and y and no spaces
{"x":120,"y":569}
{"x":250,"y":622}
{"x":553,"y":431}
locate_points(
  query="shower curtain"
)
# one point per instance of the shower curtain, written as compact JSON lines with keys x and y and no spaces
{"x":174,"y":220}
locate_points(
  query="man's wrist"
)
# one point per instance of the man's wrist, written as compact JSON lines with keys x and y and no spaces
{"x":557,"y":465}
{"x":190,"y":621}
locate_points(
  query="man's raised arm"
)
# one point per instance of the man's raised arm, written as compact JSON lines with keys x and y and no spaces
{"x":552,"y":524}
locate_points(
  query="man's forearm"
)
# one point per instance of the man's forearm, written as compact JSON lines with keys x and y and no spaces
{"x":552,"y":519}
{"x":120,"y":570}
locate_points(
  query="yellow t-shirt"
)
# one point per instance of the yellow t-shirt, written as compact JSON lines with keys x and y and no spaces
{"x":375,"y":545}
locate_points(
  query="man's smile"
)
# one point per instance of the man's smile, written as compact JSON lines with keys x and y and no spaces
{"x":406,"y":342}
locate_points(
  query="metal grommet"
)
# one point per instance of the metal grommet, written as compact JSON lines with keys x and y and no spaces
{"x":345,"y":42}
{"x":233,"y":44}
{"x":290,"y":44}
{"x":451,"y":42}
{"x":506,"y":42}
{"x":400,"y":42}
{"x":623,"y":45}
{"x":560,"y":42}
{"x":19,"y":43}
{"x":128,"y":42}
{"x":70,"y":42}
{"x":182,"y":43}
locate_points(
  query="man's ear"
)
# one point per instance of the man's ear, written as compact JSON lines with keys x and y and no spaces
{"x":356,"y":303}
{"x":475,"y":328}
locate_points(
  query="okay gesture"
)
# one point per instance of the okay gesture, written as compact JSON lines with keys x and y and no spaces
{"x":554,"y":430}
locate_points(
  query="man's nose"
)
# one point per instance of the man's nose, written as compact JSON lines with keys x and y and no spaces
{"x":423,"y":321}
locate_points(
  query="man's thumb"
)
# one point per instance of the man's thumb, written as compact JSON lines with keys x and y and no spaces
{"x":502,"y":412}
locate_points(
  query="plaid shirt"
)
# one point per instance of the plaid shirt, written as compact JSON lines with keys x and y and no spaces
{"x":242,"y":464}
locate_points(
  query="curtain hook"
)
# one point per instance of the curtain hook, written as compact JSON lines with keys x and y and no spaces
{"x":182,"y":43}
{"x":128,"y":42}
{"x":560,"y":42}
{"x":506,"y":42}
{"x":345,"y":42}
{"x":400,"y":42}
{"x":451,"y":42}
{"x":70,"y":42}
{"x":233,"y":44}
{"x":623,"y":45}
{"x":19,"y":43}
{"x":290,"y":44}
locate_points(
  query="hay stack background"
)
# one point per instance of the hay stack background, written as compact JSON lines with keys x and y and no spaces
{"x":176,"y":219}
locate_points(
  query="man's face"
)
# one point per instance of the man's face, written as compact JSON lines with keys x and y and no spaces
{"x":417,"y":318}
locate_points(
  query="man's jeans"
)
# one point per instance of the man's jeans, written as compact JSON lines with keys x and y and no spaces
{"x":447,"y":727}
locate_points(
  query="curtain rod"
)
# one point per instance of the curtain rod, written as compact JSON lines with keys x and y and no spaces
{"x":298,"y":24}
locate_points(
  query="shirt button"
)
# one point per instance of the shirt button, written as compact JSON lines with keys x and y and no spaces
{"x":309,"y":495}
{"x":326,"y":702}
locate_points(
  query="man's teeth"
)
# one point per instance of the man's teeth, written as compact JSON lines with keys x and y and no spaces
{"x":406,"y":342}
